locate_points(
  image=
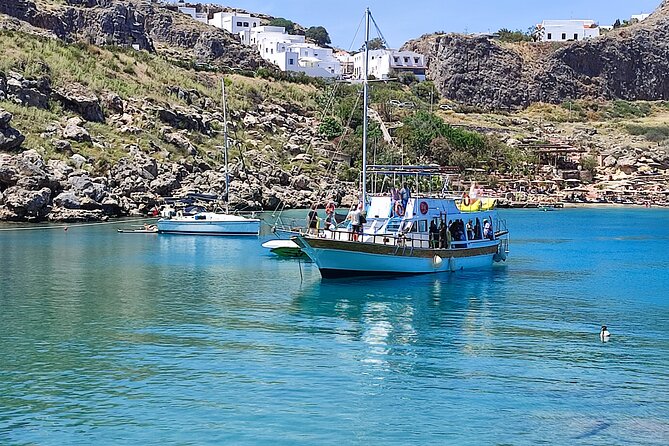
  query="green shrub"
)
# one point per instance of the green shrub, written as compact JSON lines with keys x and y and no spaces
{"x":330,"y":128}
{"x":654,"y":133}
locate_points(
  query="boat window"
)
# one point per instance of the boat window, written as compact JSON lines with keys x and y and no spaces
{"x":422,"y":226}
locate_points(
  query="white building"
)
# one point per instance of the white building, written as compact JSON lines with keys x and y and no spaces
{"x":564,"y":30}
{"x":386,"y":64}
{"x":640,"y":17}
{"x":234,"y":22}
{"x":347,"y":63}
{"x":199,"y":16}
{"x":291,"y":52}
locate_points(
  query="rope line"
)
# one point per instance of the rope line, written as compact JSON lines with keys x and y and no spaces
{"x":76,"y":225}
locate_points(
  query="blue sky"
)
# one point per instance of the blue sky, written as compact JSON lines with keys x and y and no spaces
{"x":401,"y":20}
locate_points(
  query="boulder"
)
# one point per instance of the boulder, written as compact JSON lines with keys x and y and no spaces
{"x":62,"y":145}
{"x":164,"y":185}
{"x":10,"y":138}
{"x":27,"y":204}
{"x":28,"y":92}
{"x":75,"y":132}
{"x":81,"y":100}
{"x":113,"y":103}
{"x":67,"y":200}
{"x":181,"y":141}
{"x":78,"y":160}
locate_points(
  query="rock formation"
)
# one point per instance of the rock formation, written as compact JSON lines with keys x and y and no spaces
{"x":10,"y":138}
{"x":630,"y":63}
{"x":138,"y":24}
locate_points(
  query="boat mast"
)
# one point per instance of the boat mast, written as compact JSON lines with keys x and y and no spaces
{"x":225,"y":145}
{"x":365,"y":82}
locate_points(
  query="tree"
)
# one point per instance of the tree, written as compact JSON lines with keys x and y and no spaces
{"x":376,"y":43}
{"x":319,"y":35}
{"x":536,"y":33}
{"x":617,"y":24}
{"x":284,"y":23}
{"x":506,"y":35}
{"x":407,"y":78}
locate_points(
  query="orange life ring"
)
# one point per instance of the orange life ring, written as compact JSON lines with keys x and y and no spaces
{"x":399,"y":209}
{"x":466,"y":200}
{"x":330,"y":208}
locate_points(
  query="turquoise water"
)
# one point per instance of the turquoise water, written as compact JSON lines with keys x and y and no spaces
{"x":145,"y":339}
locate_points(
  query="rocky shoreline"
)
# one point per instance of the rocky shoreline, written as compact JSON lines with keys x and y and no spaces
{"x":67,"y":191}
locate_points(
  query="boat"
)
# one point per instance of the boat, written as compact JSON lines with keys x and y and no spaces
{"x":400,"y":239}
{"x":176,"y":218}
{"x":284,"y":248}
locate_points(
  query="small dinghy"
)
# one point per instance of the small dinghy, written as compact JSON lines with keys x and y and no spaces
{"x":284,"y":248}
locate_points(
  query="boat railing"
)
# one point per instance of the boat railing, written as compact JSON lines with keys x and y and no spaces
{"x":405,"y":241}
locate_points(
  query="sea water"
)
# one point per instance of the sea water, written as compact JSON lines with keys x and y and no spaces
{"x":110,"y":338}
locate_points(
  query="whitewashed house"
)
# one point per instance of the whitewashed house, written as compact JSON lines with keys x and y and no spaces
{"x":386,"y":64}
{"x":347,"y":63}
{"x":199,"y":16}
{"x":235,"y":22}
{"x":565,"y":30}
{"x":292,"y":53}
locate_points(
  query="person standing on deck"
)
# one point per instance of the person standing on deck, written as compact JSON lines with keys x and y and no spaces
{"x":312,"y":220}
{"x":356,"y":226}
{"x":434,"y":234}
{"x":487,"y":230}
{"x":405,"y":194}
{"x":394,"y":198}
{"x":442,"y":234}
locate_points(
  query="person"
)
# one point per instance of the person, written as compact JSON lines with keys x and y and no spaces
{"x":405,"y":194}
{"x":604,"y":334}
{"x":449,"y":238}
{"x":394,"y":197}
{"x":356,"y":226}
{"x":312,"y":220}
{"x":442,"y":234}
{"x":434,"y":234}
{"x":349,"y":225}
{"x":477,"y":230}
{"x":470,"y":231}
{"x":460,"y":231}
{"x":487,"y":230}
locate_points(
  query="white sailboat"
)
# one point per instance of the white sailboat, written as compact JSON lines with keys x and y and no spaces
{"x":400,"y":239}
{"x":210,"y":223}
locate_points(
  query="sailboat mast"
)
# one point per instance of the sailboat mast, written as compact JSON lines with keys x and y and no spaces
{"x":365,"y":82}
{"x":225,"y":145}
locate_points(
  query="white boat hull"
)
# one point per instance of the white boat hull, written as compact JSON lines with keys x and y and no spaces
{"x":210,"y":225}
{"x":347,"y":259}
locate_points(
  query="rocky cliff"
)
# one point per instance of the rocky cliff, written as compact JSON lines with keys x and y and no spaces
{"x":134,"y":23}
{"x":631,"y":63}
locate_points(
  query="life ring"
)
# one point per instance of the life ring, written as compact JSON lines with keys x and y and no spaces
{"x":466,"y":200}
{"x":330,"y":208}
{"x":424,"y":207}
{"x":399,"y":209}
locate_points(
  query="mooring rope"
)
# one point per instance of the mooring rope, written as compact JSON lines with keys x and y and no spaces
{"x":76,"y":225}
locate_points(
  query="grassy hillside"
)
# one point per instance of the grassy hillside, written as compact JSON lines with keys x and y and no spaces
{"x":134,"y":76}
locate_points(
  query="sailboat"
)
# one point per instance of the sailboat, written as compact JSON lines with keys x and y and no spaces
{"x":177,"y":221}
{"x":398,"y":238}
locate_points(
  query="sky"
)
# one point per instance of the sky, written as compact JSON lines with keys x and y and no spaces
{"x":402,"y":20}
